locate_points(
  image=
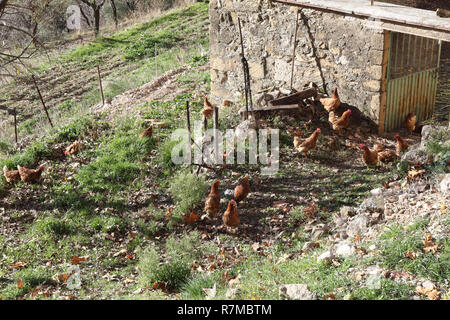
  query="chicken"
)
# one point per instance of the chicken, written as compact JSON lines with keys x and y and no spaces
{"x":309,"y":143}
{"x":212,"y":202}
{"x":340,"y":123}
{"x":147,"y":132}
{"x":73,"y":148}
{"x":379,"y":147}
{"x":401,"y":144}
{"x":410,"y":121}
{"x":30,"y":175}
{"x":242,"y":189}
{"x":331,"y":104}
{"x":11,"y":175}
{"x":387,"y":156}
{"x":208,"y":109}
{"x":231,"y":216}
{"x":369,"y":157}
{"x":297,"y":134}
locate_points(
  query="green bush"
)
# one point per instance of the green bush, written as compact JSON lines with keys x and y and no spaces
{"x":175,"y":271}
{"x":188,"y":191}
{"x":73,"y":130}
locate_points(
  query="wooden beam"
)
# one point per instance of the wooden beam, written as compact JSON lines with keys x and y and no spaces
{"x":385,"y":62}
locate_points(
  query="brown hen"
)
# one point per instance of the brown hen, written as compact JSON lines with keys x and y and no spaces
{"x":11,"y":175}
{"x":369,"y":157}
{"x":401,"y":145}
{"x":147,"y":132}
{"x":212,"y":202}
{"x":242,"y":189}
{"x":387,"y":156}
{"x":410,"y":121}
{"x":331,"y":104}
{"x":208,"y":109}
{"x":30,"y":175}
{"x":231,"y":216}
{"x":73,"y":148}
{"x":309,"y":143}
{"x":339,"y":123}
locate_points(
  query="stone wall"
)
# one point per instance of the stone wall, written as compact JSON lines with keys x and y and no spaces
{"x":332,"y":49}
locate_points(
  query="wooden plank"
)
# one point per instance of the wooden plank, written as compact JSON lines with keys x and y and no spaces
{"x":380,"y":10}
{"x":386,"y":52}
{"x":294,"y":98}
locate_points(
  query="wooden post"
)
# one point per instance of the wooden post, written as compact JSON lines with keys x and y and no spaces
{"x":216,"y":128}
{"x":42,"y":100}
{"x":189,"y":133}
{"x":293,"y":50}
{"x":156,"y":61}
{"x":15,"y":123}
{"x":245,"y":76}
{"x":100,"y":85}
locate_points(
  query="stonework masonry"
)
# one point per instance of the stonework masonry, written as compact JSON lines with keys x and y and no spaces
{"x":332,"y":50}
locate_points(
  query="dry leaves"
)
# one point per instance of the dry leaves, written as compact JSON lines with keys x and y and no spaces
{"x":19,"y":284}
{"x":430,"y":292}
{"x":311,"y":210}
{"x":193,"y":217}
{"x":428,"y":242}
{"x":76,"y":260}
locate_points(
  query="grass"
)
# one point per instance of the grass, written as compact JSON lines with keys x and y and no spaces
{"x":110,"y":203}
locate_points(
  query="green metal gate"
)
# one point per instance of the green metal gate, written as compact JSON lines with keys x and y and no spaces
{"x":412,"y":78}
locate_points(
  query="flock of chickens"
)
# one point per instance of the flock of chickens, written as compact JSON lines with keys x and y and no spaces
{"x":33,"y":175}
{"x":231,"y":216}
{"x":370,"y":157}
{"x":212,"y":203}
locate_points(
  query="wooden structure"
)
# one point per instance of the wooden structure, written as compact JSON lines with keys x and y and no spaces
{"x":411,"y":54}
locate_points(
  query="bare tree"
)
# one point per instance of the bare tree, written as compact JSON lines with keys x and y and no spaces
{"x":19,"y":23}
{"x":96,"y":6}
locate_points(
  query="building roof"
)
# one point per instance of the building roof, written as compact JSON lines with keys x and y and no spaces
{"x":391,"y":14}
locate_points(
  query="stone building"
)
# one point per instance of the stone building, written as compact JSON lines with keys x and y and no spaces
{"x":383,"y":58}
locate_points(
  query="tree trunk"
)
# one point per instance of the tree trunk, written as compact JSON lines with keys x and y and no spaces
{"x":96,"y":20}
{"x":114,"y":10}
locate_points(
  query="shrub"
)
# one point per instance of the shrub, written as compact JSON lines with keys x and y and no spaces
{"x":175,"y":272}
{"x":188,"y":191}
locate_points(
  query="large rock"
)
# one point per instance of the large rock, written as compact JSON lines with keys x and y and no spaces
{"x":344,"y":249}
{"x":358,"y":225}
{"x":372,"y":204}
{"x":296,"y":292}
{"x":444,"y":186}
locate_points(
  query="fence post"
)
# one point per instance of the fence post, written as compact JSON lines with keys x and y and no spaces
{"x":42,"y":100}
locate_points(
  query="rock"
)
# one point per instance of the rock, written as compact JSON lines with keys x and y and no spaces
{"x":347,"y":211}
{"x":428,"y":284}
{"x":325,"y":256}
{"x":358,"y":226}
{"x":296,"y":292}
{"x":416,"y":153}
{"x":373,"y":204}
{"x":376,"y":192}
{"x":344,"y":249}
{"x":229,"y":193}
{"x":444,"y":186}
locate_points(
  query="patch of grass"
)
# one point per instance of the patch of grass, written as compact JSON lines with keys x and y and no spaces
{"x":188,"y":191}
{"x":31,"y":278}
{"x":175,"y":272}
{"x":73,"y":130}
{"x":55,"y":227}
{"x":396,"y":241}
